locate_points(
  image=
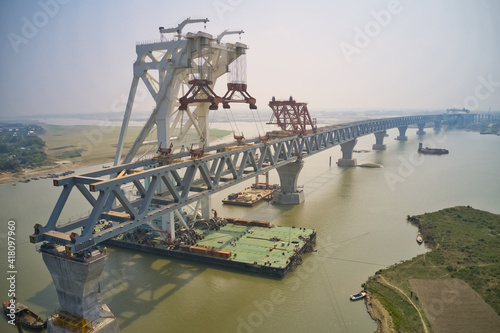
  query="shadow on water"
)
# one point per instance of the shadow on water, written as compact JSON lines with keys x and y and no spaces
{"x":379,"y":157}
{"x":344,"y":185}
{"x":43,"y":297}
{"x":143,"y":280}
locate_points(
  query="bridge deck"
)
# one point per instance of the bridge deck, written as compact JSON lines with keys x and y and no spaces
{"x":186,"y":180}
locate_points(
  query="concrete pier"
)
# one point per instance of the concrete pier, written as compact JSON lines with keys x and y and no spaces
{"x":437,"y":125}
{"x":421,"y":127}
{"x":289,"y":194}
{"x":379,"y":141}
{"x":76,"y":282}
{"x":402,"y":133}
{"x":347,"y":160}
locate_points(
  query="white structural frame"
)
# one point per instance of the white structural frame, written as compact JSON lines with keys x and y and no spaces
{"x":164,"y":66}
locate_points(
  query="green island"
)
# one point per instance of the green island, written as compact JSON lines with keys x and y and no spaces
{"x":455,"y":284}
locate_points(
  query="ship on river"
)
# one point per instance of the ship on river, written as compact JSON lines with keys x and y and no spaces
{"x":253,"y":246}
{"x":431,"y":151}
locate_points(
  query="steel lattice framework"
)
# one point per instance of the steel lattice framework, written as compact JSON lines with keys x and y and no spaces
{"x":165,"y":67}
{"x":291,"y":116}
{"x":185,"y":180}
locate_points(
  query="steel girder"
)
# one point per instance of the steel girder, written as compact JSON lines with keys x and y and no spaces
{"x":185,"y":181}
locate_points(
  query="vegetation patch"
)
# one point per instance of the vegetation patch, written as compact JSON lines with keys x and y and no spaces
{"x":20,"y":147}
{"x":71,"y":154}
{"x":404,"y":316}
{"x":464,"y":243}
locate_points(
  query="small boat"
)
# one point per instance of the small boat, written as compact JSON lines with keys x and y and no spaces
{"x":420,"y":239}
{"x":359,"y":295}
{"x":21,"y":313}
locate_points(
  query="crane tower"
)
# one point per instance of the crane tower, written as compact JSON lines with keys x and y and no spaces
{"x":169,"y":67}
{"x":193,"y":60}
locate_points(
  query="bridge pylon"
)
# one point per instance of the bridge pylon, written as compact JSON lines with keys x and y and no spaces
{"x":421,"y":127}
{"x":347,"y":148}
{"x":289,"y":194}
{"x":379,"y":140}
{"x":438,"y":125}
{"x":402,"y":133}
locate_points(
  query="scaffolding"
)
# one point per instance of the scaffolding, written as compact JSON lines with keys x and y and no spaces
{"x":72,"y":322}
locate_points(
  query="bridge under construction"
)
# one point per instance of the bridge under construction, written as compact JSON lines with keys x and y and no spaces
{"x":171,"y":188}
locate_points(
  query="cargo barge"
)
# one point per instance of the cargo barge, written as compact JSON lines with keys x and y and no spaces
{"x":432,"y":151}
{"x":249,"y":197}
{"x":252,"y":246}
{"x":254,"y":194}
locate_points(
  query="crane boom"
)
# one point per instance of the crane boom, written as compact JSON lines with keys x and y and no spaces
{"x":181,"y":26}
{"x":228,"y":32}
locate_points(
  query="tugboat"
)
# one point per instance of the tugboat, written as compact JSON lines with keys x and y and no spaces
{"x":431,"y":151}
{"x":21,"y":313}
{"x":359,"y":295}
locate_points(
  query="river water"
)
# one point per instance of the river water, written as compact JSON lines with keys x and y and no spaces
{"x":360,"y":218}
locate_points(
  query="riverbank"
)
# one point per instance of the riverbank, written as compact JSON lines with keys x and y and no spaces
{"x":71,"y":147}
{"x":379,"y":314}
{"x":25,"y":174}
{"x":464,"y":246}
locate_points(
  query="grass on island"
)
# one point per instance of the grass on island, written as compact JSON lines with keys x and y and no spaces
{"x":92,"y":145}
{"x":465,"y":244}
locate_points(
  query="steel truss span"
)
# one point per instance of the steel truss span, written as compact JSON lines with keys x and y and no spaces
{"x":180,"y":180}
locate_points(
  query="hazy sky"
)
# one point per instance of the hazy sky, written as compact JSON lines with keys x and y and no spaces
{"x":69,"y":56}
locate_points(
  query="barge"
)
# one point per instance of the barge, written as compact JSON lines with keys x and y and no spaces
{"x":431,"y":151}
{"x":254,"y":194}
{"x":249,"y":197}
{"x":16,"y":311}
{"x":252,"y":246}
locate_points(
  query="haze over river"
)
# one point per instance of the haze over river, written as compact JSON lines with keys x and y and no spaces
{"x":360,"y":218}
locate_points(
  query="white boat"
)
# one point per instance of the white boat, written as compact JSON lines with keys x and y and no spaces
{"x":420,"y":239}
{"x":359,"y":295}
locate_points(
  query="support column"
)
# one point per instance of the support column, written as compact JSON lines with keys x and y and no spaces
{"x":379,"y":140}
{"x":402,"y":133}
{"x":168,"y":224}
{"x":206,"y":208}
{"x":421,"y":129}
{"x":347,"y":159}
{"x":437,"y":125}
{"x":289,"y":174}
{"x":76,"y":282}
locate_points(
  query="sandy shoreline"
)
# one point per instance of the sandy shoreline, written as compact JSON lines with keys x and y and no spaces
{"x":12,"y":177}
{"x":379,"y":314}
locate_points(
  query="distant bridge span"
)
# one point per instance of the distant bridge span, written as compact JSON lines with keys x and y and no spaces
{"x":185,"y":180}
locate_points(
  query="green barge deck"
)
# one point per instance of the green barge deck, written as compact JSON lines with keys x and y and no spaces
{"x":251,"y":246}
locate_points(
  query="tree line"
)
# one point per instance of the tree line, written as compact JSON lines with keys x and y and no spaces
{"x":20,"y":147}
